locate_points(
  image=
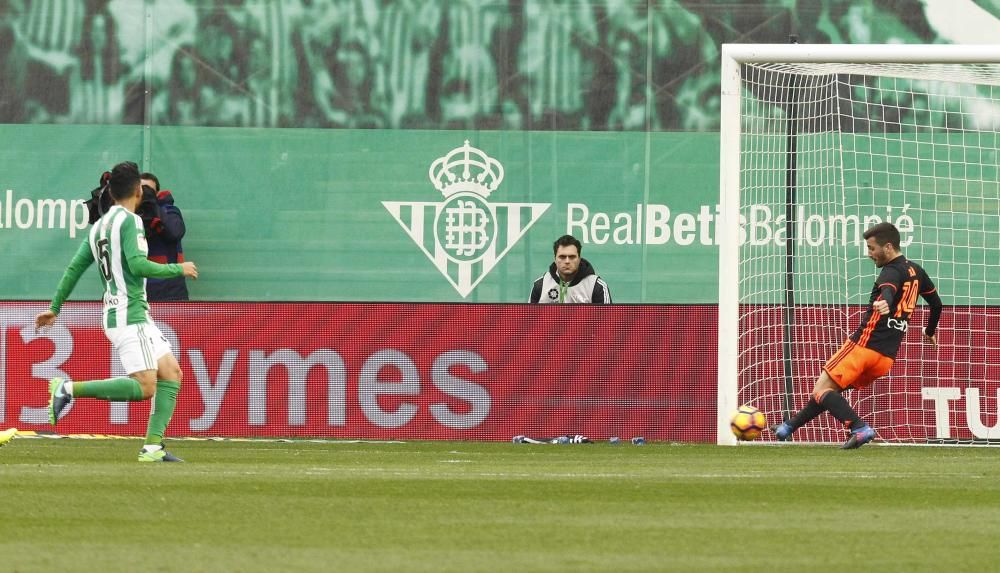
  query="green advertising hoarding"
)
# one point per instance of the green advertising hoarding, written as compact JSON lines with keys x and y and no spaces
{"x":334,"y":214}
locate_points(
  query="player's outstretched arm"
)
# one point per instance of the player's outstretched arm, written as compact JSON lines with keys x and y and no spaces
{"x":135,"y":257}
{"x":80,"y":263}
{"x":143,"y":267}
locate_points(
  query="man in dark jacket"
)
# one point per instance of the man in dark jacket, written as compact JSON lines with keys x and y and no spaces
{"x":570,"y":279}
{"x":164,"y":227}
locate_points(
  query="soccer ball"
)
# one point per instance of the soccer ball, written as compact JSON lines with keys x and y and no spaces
{"x":747,"y":423}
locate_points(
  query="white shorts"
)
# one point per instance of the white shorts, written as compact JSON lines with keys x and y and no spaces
{"x":139,"y":346}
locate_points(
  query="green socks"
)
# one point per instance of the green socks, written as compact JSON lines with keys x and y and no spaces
{"x":162,"y":410}
{"x":128,"y":390}
{"x":117,"y":389}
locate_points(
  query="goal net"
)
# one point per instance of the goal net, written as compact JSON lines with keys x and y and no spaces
{"x":818,"y":144}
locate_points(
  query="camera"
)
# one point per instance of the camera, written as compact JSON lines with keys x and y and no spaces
{"x":100,"y":201}
{"x":98,"y":204}
{"x":148,"y":208}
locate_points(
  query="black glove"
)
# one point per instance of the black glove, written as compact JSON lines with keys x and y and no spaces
{"x":148,"y":209}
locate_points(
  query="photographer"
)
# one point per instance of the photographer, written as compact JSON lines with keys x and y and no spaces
{"x":164,"y":228}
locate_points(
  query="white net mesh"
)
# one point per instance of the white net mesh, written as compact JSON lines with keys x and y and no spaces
{"x":839,"y":147}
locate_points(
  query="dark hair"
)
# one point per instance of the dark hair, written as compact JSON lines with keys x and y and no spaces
{"x":884,"y":233}
{"x":124,"y":179}
{"x":565,"y":241}
{"x":151,"y":177}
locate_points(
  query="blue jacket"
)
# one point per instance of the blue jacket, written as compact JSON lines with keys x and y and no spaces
{"x":164,"y":226}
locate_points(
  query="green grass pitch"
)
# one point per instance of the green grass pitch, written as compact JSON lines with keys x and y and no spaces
{"x":74,"y":505}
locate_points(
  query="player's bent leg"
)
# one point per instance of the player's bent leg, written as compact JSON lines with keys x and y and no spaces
{"x":861,"y":433}
{"x":828,"y":393}
{"x":62,"y":392}
{"x":813,"y":408}
{"x":122,"y":389}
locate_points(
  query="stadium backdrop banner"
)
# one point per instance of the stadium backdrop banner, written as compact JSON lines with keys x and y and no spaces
{"x":334,"y":214}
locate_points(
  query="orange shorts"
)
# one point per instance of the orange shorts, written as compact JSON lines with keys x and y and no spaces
{"x":856,"y":366}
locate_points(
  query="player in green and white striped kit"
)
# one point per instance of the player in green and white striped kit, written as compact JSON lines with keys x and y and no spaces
{"x":118,"y":243}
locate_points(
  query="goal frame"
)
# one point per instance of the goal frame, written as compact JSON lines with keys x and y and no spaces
{"x":733,"y":55}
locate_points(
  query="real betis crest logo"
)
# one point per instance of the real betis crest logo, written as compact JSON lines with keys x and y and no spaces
{"x":465,"y":235}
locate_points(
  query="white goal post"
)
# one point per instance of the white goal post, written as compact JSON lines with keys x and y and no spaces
{"x":819,"y":142}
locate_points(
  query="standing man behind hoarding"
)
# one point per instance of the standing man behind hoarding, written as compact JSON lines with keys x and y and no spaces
{"x":570,"y":278}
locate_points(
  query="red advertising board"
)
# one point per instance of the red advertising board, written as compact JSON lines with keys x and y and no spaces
{"x":380,"y":371}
